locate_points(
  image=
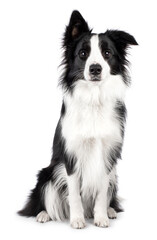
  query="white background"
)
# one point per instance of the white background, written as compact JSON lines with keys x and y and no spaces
{"x":30,"y":53}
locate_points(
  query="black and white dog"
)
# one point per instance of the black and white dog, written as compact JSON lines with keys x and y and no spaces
{"x":80,"y":181}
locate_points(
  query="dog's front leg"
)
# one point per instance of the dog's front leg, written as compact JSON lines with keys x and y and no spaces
{"x":100,"y":209}
{"x":76,"y":209}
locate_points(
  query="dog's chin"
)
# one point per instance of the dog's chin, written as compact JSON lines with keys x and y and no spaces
{"x":95,"y":79}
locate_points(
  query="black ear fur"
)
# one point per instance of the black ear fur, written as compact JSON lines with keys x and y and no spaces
{"x":121,"y":39}
{"x":77,"y":26}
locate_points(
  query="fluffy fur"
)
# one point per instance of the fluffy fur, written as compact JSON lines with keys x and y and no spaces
{"x":81,"y":180}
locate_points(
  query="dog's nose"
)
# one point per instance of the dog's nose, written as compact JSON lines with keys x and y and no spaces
{"x":95,"y":69}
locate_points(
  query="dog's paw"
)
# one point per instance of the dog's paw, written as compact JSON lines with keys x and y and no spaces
{"x":101,"y":222}
{"x":43,"y":217}
{"x":78,"y":223}
{"x":111,"y":213}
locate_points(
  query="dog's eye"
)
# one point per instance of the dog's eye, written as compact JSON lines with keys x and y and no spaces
{"x":83,"y":54}
{"x":107,"y":54}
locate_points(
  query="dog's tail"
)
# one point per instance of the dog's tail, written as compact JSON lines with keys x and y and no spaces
{"x":35,"y":203}
{"x":116,"y":204}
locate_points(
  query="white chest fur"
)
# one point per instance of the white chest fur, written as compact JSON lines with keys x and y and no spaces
{"x":90,"y":111}
{"x":90,"y":126}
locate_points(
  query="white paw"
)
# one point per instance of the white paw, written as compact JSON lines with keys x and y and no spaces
{"x":43,"y":217}
{"x":101,"y":222}
{"x":78,"y":223}
{"x":111,"y":213}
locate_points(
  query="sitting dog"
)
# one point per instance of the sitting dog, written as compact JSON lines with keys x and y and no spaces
{"x":81,"y":180}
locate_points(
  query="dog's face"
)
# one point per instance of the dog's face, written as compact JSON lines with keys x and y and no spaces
{"x":93,"y":57}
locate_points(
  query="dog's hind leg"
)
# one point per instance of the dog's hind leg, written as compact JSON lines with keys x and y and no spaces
{"x":43,"y":217}
{"x":111,"y":213}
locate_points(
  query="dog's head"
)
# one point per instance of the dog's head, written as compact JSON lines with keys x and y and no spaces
{"x":93,"y":57}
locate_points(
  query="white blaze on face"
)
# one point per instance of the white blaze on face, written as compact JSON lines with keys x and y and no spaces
{"x":96,"y":57}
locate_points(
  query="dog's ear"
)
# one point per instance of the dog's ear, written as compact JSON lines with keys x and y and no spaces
{"x":77,"y":26}
{"x":121,"y":39}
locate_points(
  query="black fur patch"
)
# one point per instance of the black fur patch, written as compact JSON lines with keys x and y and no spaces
{"x":115,"y":152}
{"x":59,"y":152}
{"x":114,"y":155}
{"x":122,"y":41}
{"x":63,"y":109}
{"x":114,"y":202}
{"x":121,"y":115}
{"x":35,"y":203}
{"x":117,"y":42}
{"x":77,"y":36}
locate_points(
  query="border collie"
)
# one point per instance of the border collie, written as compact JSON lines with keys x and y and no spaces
{"x":81,"y":180}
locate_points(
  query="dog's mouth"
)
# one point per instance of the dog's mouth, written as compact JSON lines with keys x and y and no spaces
{"x":95,"y":79}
